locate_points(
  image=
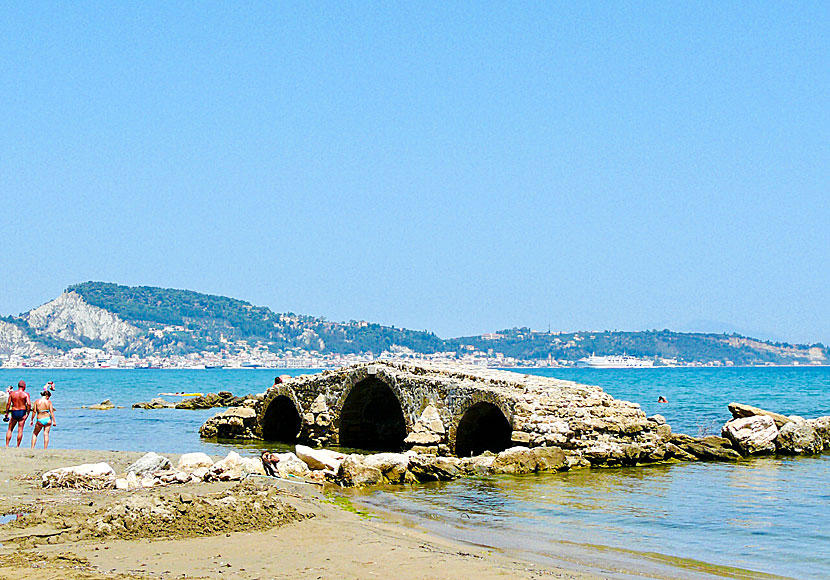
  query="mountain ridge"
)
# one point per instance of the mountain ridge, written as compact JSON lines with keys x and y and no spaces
{"x":152,"y":321}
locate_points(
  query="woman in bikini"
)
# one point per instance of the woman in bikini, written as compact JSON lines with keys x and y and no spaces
{"x":44,"y":414}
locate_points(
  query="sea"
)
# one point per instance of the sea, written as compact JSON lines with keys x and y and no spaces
{"x":755,"y":518}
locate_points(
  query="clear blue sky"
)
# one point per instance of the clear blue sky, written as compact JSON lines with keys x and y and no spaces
{"x":457,"y":167}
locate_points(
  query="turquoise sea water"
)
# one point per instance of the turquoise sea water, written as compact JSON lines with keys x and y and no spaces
{"x":769,"y":515}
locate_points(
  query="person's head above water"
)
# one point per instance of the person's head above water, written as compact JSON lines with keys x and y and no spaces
{"x":21,"y":385}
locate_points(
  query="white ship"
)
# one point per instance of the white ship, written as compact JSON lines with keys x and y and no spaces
{"x":614,"y":362}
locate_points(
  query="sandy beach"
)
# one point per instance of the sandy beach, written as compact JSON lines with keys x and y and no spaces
{"x":329,"y":540}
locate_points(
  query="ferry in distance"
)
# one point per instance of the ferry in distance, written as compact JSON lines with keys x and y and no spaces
{"x":614,"y":362}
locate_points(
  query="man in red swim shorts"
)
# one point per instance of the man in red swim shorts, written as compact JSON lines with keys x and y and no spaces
{"x":19,"y":404}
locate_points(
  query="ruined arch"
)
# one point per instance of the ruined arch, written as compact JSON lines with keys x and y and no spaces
{"x":281,"y":421}
{"x":483,"y":427}
{"x":372,"y":417}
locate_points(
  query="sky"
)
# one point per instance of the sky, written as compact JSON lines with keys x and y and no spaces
{"x":459,"y":167}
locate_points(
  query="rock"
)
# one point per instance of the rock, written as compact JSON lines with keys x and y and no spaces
{"x":189,"y":462}
{"x":149,"y":463}
{"x":676,"y":452}
{"x":798,"y":437}
{"x":104,"y":405}
{"x":822,"y":427}
{"x":478,"y":464}
{"x":199,"y":473}
{"x":252,"y":466}
{"x":86,"y":476}
{"x":520,"y":438}
{"x":121,"y":484}
{"x":740,"y":410}
{"x":290,"y":464}
{"x":132,"y":481}
{"x":424,"y":438}
{"x":211,"y":400}
{"x":515,"y":461}
{"x":319,"y":458}
{"x":430,"y":468}
{"x":393,"y":465}
{"x":228,"y":469}
{"x":236,"y":422}
{"x":156,"y":403}
{"x":658,"y":419}
{"x":752,"y":435}
{"x":707,"y":448}
{"x":549,"y":459}
{"x":355,"y":473}
{"x":319,"y":405}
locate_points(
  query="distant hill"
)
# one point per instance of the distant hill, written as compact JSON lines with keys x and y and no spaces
{"x":147,"y":320}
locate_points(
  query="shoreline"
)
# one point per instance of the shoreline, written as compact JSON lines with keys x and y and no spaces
{"x":339,"y":541}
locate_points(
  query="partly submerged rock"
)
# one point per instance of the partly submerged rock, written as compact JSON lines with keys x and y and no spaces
{"x":798,"y":437}
{"x":354,"y":472}
{"x":710,"y":448}
{"x":104,"y":405}
{"x":752,"y":435}
{"x":155,"y":403}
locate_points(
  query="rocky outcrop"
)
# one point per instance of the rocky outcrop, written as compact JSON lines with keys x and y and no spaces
{"x":752,"y":435}
{"x":211,"y":400}
{"x":707,"y":448}
{"x":13,"y":341}
{"x":70,"y":318}
{"x":104,"y":405}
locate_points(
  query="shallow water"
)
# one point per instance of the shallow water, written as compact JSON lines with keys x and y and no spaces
{"x":768,"y":515}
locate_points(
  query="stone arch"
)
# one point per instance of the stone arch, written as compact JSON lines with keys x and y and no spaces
{"x":371,"y":416}
{"x":481,"y":425}
{"x":281,"y":418}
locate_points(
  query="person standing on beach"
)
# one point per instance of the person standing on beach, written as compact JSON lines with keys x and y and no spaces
{"x":44,"y":412}
{"x":19,"y":404}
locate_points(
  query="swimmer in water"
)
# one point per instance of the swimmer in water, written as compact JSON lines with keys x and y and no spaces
{"x":662,"y":399}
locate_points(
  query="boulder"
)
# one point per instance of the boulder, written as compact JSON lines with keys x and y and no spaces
{"x":149,"y":463}
{"x":319,"y":458}
{"x":515,"y":461}
{"x":290,"y":465}
{"x":432,"y":468}
{"x":549,"y":459}
{"x":423,"y":438}
{"x":104,"y":405}
{"x":199,"y":473}
{"x":189,"y":462}
{"x":752,"y":435}
{"x":355,"y":473}
{"x":228,"y":469}
{"x":707,"y":448}
{"x":393,"y":465}
{"x":478,"y":464}
{"x":236,"y":422}
{"x":798,"y":437}
{"x":822,"y":427}
{"x":86,"y":476}
{"x":740,"y":411}
{"x":673,"y":451}
{"x":252,"y":466}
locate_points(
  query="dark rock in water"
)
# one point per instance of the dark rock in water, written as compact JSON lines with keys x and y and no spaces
{"x":822,"y":427}
{"x":211,"y":400}
{"x":797,"y":437}
{"x":673,"y":451}
{"x":156,"y":403}
{"x":740,"y":411}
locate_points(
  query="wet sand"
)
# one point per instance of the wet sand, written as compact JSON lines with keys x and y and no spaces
{"x":335,"y":542}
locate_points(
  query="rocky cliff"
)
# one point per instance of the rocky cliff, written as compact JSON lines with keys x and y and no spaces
{"x":13,"y":341}
{"x":71,"y":319}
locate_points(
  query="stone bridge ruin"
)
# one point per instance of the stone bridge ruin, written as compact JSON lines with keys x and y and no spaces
{"x":446,"y":410}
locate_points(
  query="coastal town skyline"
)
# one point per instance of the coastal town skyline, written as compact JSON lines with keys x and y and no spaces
{"x":442,"y":167}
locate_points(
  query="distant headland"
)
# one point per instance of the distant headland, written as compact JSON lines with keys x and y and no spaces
{"x":100,"y":325}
